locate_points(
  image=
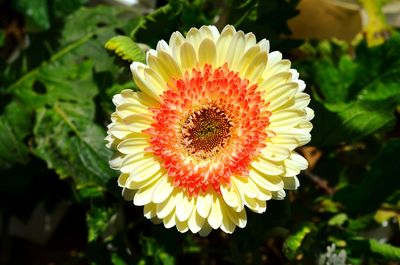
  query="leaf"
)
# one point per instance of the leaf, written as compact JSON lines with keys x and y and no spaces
{"x":293,"y":243}
{"x":381,"y":177}
{"x":335,"y":123}
{"x":125,"y":48}
{"x":383,"y":251}
{"x":15,"y":125}
{"x":97,"y":219}
{"x":36,"y":12}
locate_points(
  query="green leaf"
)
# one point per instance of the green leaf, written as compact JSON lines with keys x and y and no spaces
{"x":380,"y":177}
{"x":125,"y":48}
{"x":15,"y":125}
{"x":97,"y":219}
{"x":383,"y":251}
{"x":36,"y":12}
{"x":334,"y":123}
{"x":293,"y":243}
{"x":2,"y":38}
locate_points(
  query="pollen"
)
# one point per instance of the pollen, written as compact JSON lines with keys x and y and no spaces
{"x":206,"y":132}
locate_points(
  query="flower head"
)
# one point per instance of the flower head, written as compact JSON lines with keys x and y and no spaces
{"x":212,"y":130}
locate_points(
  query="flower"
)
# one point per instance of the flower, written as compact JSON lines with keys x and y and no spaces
{"x":212,"y":130}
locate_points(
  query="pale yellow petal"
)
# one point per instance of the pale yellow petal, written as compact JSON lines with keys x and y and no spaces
{"x":138,"y":76}
{"x":203,"y":205}
{"x":184,"y":208}
{"x":149,"y":210}
{"x":280,"y":94}
{"x":169,"y":221}
{"x":135,"y":144}
{"x":235,"y":50}
{"x":272,"y":183}
{"x":256,"y":68}
{"x":275,"y":152}
{"x":128,"y":194}
{"x":269,"y":167}
{"x":215,"y":217}
{"x":122,"y":180}
{"x":143,"y":195}
{"x":207,"y":52}
{"x":167,"y":206}
{"x":188,"y":56}
{"x":291,"y":183}
{"x":223,"y":44}
{"x":230,"y":195}
{"x":195,"y":222}
{"x":162,"y":190}
{"x":181,"y":226}
{"x":286,"y":118}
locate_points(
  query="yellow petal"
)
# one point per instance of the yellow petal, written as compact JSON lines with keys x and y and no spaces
{"x":215,"y":217}
{"x":195,"y":222}
{"x":162,"y":190}
{"x":272,"y":183}
{"x":203,"y":205}
{"x":188,"y":56}
{"x":207,"y":52}
{"x":230,"y":195}
{"x":167,"y":206}
{"x":184,"y":208}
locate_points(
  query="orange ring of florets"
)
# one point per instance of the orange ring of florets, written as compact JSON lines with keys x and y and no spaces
{"x":223,"y":91}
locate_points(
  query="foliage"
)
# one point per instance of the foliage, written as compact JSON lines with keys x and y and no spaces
{"x":55,"y":103}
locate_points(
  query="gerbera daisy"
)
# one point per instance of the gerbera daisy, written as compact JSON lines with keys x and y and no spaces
{"x":212,"y":130}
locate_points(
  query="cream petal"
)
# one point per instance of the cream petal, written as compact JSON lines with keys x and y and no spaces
{"x":128,"y":162}
{"x":143,"y":195}
{"x":235,"y":50}
{"x":302,"y":137}
{"x":230,"y":195}
{"x":207,"y":52}
{"x":285,"y":118}
{"x":118,"y":100}
{"x":274,"y":57}
{"x":128,"y":194}
{"x":181,"y":226}
{"x":280,"y":66}
{"x":138,"y":123}
{"x":184,"y":208}
{"x":203,"y":205}
{"x":122,"y":180}
{"x":138,"y":76}
{"x":175,"y":42}
{"x":119,"y":130}
{"x":167,"y":206}
{"x":245,"y":186}
{"x":135,"y":144}
{"x":280,"y":94}
{"x":256,"y":68}
{"x":278,"y":195}
{"x":215,"y":217}
{"x":274,"y":81}
{"x":207,"y":32}
{"x":138,"y":181}
{"x":309,"y":114}
{"x":116,"y":161}
{"x":195,"y":222}
{"x":255,"y":205}
{"x":247,"y":58}
{"x":169,"y":221}
{"x":269,"y":167}
{"x":127,"y":109}
{"x":291,"y":183}
{"x":238,"y":218}
{"x":149,"y":210}
{"x":287,"y":142}
{"x":223,"y":44}
{"x":194,"y":37}
{"x":250,"y":40}
{"x":165,"y":66}
{"x":227,"y":225}
{"x":188,"y":56}
{"x":162,"y":190}
{"x":305,"y":126}
{"x":275,"y":152}
{"x":264,"y":45}
{"x":301,"y":101}
{"x":162,"y":45}
{"x":271,"y":183}
{"x":205,"y":229}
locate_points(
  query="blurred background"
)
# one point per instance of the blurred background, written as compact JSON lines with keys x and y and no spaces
{"x":59,"y":201}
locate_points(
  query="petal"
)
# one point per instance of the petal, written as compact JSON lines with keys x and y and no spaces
{"x":195,"y":222}
{"x":188,"y":56}
{"x":184,"y":208}
{"x":203,"y":205}
{"x":230,"y":195}
{"x":223,"y":44}
{"x":215,"y":217}
{"x":167,"y":206}
{"x":162,"y":190}
{"x":138,"y":76}
{"x":207,"y":52}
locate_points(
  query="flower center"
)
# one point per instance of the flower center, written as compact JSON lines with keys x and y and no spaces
{"x":205,"y":132}
{"x":208,"y":127}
